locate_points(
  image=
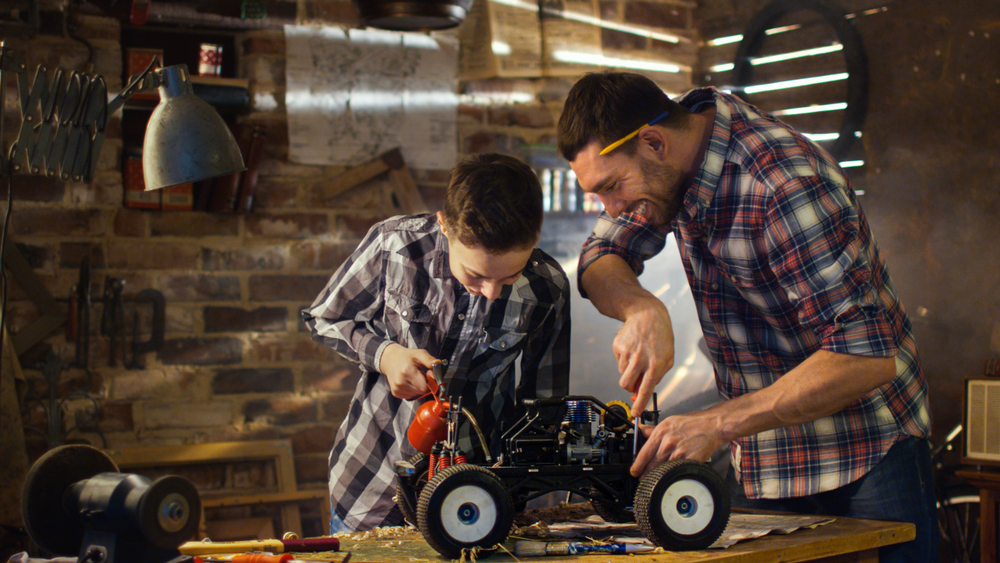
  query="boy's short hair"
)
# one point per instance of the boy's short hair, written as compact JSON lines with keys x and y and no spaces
{"x":494,"y":202}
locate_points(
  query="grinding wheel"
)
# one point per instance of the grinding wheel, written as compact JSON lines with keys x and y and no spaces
{"x":47,"y":522}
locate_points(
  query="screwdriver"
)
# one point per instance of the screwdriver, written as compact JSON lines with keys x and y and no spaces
{"x":635,"y":394}
{"x":261,"y":558}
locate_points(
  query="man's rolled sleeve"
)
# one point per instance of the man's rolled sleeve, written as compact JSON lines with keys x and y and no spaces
{"x":629,"y":236}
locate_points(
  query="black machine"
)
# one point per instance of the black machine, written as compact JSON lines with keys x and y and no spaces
{"x":76,"y":503}
{"x":556,"y":446}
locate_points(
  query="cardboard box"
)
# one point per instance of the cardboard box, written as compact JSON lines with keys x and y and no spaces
{"x":135,"y":187}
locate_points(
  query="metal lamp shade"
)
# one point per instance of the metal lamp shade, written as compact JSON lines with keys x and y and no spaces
{"x":413,"y":15}
{"x":186,"y":139}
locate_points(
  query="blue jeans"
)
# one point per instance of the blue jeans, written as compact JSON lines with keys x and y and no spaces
{"x":899,"y":488}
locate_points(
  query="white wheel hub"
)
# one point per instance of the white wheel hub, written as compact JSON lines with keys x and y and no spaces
{"x":687,"y":506}
{"x":468,"y":513}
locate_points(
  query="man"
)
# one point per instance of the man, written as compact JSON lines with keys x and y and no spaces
{"x":466,"y":286}
{"x":826,"y":406}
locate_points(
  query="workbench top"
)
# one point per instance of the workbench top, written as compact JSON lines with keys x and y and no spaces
{"x":829,"y":542}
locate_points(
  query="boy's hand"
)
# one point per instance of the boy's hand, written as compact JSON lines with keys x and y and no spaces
{"x":406,"y":370}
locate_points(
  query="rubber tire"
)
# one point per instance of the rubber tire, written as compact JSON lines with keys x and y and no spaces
{"x":445,"y":505}
{"x":659,"y":511}
{"x":407,"y":496}
{"x":959,"y":521}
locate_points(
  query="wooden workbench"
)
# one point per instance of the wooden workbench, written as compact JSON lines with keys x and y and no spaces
{"x":844,"y":540}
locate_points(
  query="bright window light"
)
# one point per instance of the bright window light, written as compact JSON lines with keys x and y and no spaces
{"x":795,"y":83}
{"x":724,"y":40}
{"x":852,"y":163}
{"x":601,"y":60}
{"x":582,"y":18}
{"x":722,"y":68}
{"x":797,"y":54}
{"x":811,"y":109}
{"x":822,"y":136}
{"x":500,"y":48}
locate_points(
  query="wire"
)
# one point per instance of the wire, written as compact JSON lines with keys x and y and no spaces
{"x":3,"y":268}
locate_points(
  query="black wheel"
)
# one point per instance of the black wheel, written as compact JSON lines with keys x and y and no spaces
{"x":464,"y":506}
{"x":958,"y":518}
{"x":682,"y":505}
{"x":408,"y":489}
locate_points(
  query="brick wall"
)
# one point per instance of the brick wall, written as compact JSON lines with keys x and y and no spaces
{"x":236,"y":363}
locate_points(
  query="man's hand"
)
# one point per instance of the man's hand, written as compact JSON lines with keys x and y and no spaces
{"x":406,"y":370}
{"x":644,"y":348}
{"x":686,"y":436}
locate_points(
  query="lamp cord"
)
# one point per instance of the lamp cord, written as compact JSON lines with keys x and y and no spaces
{"x":3,"y":269}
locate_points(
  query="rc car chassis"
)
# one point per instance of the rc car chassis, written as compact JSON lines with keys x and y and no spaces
{"x":679,"y":505}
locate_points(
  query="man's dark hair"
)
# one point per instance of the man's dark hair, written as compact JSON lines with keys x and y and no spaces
{"x":606,"y":106}
{"x":494,"y":202}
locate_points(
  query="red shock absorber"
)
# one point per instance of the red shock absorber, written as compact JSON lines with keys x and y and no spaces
{"x":459,"y":457}
{"x":444,"y":460}
{"x":434,"y":459}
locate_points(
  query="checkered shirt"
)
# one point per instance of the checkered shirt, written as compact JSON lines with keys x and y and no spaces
{"x":397,"y":287}
{"x":781,"y":264}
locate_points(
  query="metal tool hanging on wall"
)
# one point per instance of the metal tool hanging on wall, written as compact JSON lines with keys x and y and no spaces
{"x":113,"y":325}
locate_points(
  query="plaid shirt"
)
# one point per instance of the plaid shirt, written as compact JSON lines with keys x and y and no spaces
{"x":781,"y":264}
{"x":398,"y":287}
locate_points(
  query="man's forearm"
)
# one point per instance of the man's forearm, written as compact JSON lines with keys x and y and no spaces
{"x":614,"y":289}
{"x":823,"y":384}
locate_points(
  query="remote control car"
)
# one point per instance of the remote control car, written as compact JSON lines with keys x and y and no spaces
{"x":556,"y":446}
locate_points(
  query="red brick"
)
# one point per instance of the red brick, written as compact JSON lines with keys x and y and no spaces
{"x":521,"y":116}
{"x":243,"y":258}
{"x":273,"y":193}
{"x":38,"y":257}
{"x":253,"y":380}
{"x":287,"y":349}
{"x":302,"y":289}
{"x":475,"y":113}
{"x":71,"y":254}
{"x":358,"y":226}
{"x":235,"y":319}
{"x":269,"y":44}
{"x":172,"y":223}
{"x":334,"y":407}
{"x":152,"y":256}
{"x":317,"y":439}
{"x":62,"y":222}
{"x":116,"y":417}
{"x":104,"y":189}
{"x":34,"y":188}
{"x":329,"y":12}
{"x":130,"y":222}
{"x":312,"y":255}
{"x":330,"y":376}
{"x":200,"y":287}
{"x":488,"y":141}
{"x":287,"y":225}
{"x":201,"y":351}
{"x":281,"y":411}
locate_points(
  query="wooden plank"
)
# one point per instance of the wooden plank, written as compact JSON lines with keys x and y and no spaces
{"x":845,"y":539}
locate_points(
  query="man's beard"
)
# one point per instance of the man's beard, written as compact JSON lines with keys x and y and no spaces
{"x":669,"y":182}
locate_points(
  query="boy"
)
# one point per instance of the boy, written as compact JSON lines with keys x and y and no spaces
{"x":466,"y":286}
